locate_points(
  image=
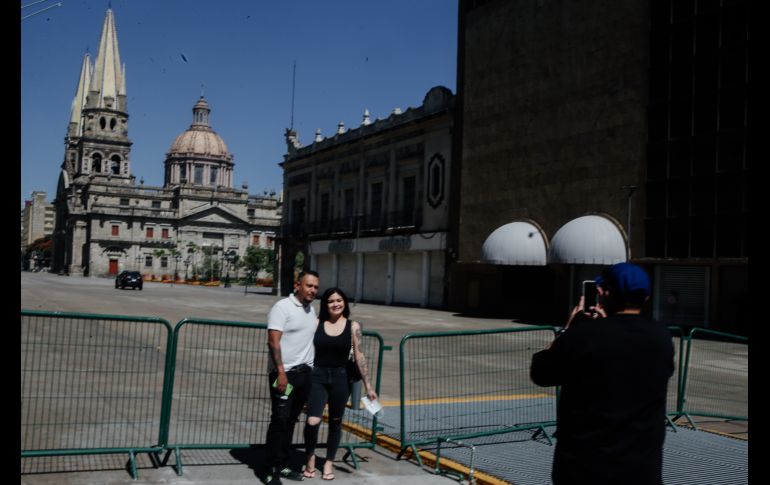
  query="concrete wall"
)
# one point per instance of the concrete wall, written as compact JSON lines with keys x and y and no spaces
{"x":554,"y":114}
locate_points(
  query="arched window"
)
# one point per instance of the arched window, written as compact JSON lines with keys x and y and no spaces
{"x":102,"y":122}
{"x":112,"y":124}
{"x":115,"y":165}
{"x":96,"y":163}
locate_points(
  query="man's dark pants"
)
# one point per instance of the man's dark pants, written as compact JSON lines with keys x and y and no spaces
{"x":285,"y":411}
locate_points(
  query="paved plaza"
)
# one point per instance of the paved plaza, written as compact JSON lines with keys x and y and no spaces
{"x":44,"y":291}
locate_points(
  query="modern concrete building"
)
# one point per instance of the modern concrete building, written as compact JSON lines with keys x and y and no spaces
{"x":37,"y":219}
{"x":368,"y":207}
{"x":106,"y":223}
{"x":596,"y":132}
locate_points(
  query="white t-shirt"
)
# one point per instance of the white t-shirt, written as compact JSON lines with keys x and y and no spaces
{"x":298,"y":324}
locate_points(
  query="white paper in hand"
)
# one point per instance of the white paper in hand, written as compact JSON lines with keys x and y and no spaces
{"x":373,"y":407}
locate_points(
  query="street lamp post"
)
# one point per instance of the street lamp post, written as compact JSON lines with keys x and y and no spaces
{"x":177,"y":258}
{"x":630,"y":191}
{"x":138,"y":262}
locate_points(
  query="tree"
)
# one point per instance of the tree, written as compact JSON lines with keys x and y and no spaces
{"x":211,"y":264}
{"x":176,"y":255}
{"x":299,"y":262}
{"x":42,"y":248}
{"x":259,"y":259}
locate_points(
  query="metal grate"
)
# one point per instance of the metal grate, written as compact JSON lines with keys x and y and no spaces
{"x":91,"y":382}
{"x":689,"y":457}
{"x":458,"y":384}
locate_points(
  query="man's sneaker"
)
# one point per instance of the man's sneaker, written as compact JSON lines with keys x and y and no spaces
{"x":290,"y":474}
{"x":273,"y":480}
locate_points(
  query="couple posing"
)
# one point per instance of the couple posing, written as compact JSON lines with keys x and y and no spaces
{"x":308,"y":364}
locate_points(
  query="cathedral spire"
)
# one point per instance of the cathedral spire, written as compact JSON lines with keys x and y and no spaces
{"x":76,"y":118}
{"x":108,"y":84}
{"x":98,"y":143}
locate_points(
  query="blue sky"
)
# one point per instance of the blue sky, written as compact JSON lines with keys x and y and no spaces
{"x":350,"y":56}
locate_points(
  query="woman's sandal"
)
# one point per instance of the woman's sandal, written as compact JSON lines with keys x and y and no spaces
{"x":328,"y":476}
{"x":309,"y":473}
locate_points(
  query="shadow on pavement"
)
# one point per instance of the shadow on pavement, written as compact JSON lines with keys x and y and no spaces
{"x":255,"y":457}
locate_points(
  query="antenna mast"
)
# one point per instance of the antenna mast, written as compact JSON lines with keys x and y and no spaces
{"x":293,"y":84}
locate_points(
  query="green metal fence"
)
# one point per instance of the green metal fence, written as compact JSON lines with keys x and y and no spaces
{"x":458,"y":385}
{"x":674,"y":395}
{"x":103,"y":384}
{"x":220,"y":397}
{"x":92,"y":384}
{"x":715,"y":382}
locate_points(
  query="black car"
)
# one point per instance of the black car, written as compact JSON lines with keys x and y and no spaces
{"x":129,"y":278}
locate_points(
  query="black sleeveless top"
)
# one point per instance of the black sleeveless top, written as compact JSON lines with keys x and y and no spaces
{"x":332,"y":351}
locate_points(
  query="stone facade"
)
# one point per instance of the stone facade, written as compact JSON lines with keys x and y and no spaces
{"x":368,"y":207}
{"x":107,"y":223}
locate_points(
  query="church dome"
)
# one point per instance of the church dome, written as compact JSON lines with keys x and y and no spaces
{"x":196,"y":141}
{"x":200,"y":140}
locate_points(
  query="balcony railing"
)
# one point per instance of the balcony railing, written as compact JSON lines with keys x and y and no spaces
{"x":368,"y":225}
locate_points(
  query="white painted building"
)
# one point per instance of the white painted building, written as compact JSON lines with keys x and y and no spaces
{"x":369,"y":207}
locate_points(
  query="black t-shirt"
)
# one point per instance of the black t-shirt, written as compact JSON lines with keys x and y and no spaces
{"x":332,"y":351}
{"x":613,"y":374}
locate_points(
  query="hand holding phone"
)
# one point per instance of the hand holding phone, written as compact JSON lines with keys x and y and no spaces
{"x":288,"y":389}
{"x":590,"y":296}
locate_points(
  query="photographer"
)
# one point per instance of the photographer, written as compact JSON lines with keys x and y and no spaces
{"x":613,"y":366}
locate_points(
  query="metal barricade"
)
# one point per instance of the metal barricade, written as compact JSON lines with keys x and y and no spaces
{"x":92,"y":384}
{"x":220,"y":397}
{"x":674,"y":394}
{"x":716,"y":379}
{"x":459,"y":385}
{"x":359,"y":426}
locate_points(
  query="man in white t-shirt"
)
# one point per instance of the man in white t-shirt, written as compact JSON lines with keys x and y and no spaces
{"x":291,"y":325}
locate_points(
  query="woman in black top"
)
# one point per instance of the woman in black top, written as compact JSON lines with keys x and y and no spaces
{"x":334,"y":336}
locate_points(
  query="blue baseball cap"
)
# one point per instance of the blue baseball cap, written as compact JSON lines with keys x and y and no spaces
{"x":625,"y":278}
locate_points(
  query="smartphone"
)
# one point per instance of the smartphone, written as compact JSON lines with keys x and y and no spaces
{"x":288,"y":390}
{"x":590,"y":294}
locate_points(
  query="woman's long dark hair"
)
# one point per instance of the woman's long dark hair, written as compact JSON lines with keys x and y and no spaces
{"x":323,"y":313}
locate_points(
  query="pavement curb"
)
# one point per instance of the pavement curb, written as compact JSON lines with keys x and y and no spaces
{"x":428,"y":458}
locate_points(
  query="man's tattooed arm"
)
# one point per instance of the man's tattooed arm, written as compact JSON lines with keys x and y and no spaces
{"x":274,"y":346}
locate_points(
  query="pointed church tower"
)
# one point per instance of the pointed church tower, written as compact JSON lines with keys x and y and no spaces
{"x":75,"y":129}
{"x":98,"y":129}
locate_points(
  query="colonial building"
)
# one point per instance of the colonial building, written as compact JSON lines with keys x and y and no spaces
{"x":368,"y":207}
{"x":106,"y":222}
{"x":598,"y":132}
